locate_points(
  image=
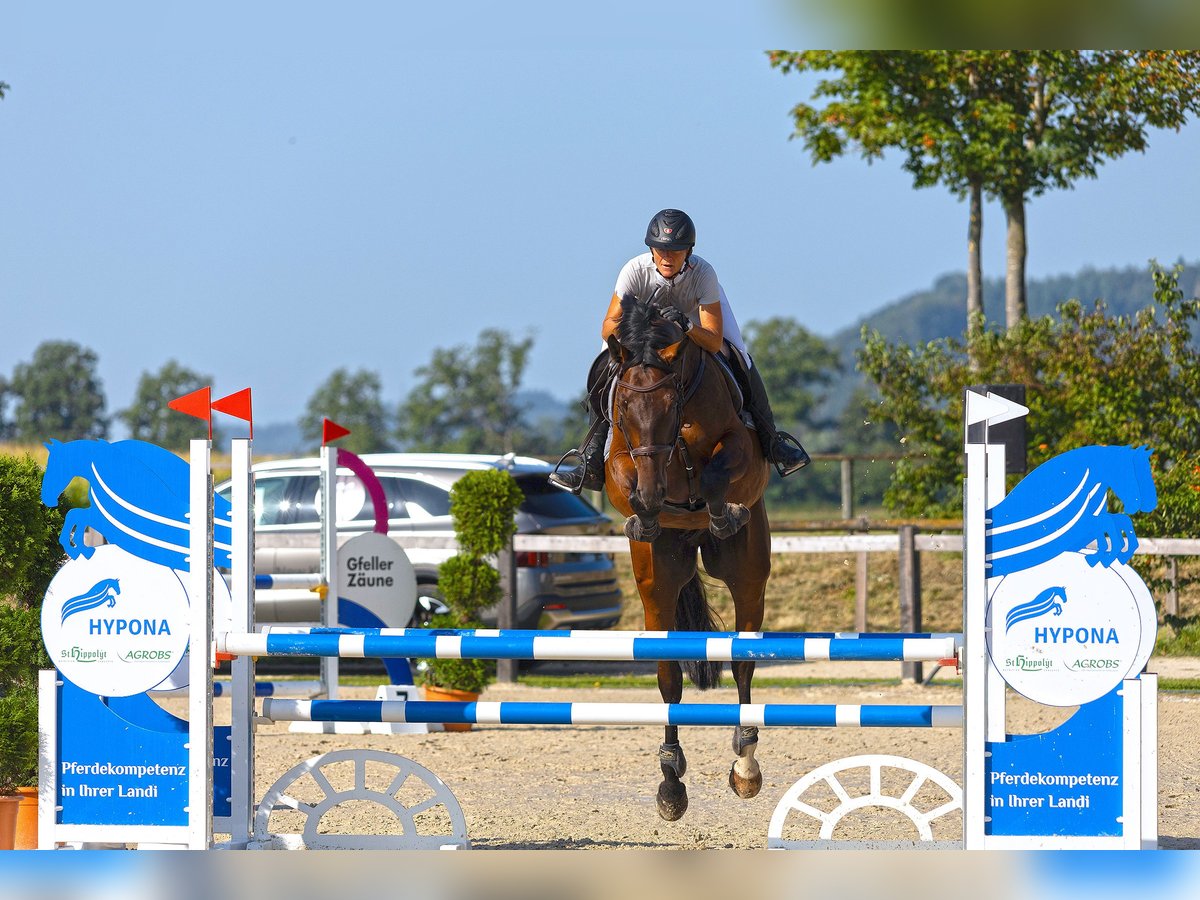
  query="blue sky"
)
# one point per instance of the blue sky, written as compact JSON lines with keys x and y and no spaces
{"x":270,"y":191}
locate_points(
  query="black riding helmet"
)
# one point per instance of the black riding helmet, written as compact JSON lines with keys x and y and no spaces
{"x":671,"y":229}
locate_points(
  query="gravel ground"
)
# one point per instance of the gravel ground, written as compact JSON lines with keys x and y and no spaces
{"x":533,"y":787}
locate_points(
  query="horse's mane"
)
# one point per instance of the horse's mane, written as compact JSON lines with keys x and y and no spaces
{"x":642,"y":332}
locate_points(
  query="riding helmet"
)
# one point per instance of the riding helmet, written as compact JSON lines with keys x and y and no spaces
{"x":671,"y":229}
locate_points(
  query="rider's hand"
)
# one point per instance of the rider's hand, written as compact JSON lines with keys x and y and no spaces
{"x":676,"y":316}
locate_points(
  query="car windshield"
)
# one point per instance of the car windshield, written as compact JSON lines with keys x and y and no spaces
{"x":544,"y":500}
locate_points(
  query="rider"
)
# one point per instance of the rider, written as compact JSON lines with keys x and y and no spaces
{"x":686,"y":289}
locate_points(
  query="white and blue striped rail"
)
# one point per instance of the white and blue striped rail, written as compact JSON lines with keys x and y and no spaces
{"x":524,"y":713}
{"x":589,"y":645}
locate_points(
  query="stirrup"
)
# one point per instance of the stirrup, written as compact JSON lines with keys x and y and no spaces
{"x":572,"y":479}
{"x":782,"y":441}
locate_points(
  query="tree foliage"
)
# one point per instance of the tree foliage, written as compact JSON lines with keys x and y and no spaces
{"x":149,"y":419}
{"x":352,"y":399}
{"x":1014,"y":123}
{"x":30,"y":553}
{"x":58,"y":395}
{"x":465,"y":401}
{"x":794,"y":363}
{"x":1091,"y":378}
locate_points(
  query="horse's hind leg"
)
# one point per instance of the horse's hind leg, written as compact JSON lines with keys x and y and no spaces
{"x":745,"y":777}
{"x":661,"y":569}
{"x":744,"y":564}
{"x":672,"y":800}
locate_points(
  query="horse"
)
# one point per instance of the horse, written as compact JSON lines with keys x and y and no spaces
{"x":1062,"y":506}
{"x":689,"y":475}
{"x":138,"y":496}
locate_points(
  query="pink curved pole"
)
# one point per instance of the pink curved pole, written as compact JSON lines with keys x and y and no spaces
{"x":371,"y":483}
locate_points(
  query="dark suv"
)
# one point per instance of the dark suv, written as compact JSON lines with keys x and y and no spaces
{"x":554,"y":590}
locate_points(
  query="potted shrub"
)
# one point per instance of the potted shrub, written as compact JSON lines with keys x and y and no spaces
{"x":482,"y":506}
{"x":29,"y":556}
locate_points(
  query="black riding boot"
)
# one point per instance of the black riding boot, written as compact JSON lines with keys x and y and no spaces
{"x":589,"y":471}
{"x":782,"y":450}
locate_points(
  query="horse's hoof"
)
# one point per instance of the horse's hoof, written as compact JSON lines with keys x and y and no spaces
{"x":727,"y":525}
{"x":672,"y":800}
{"x":635,"y":530}
{"x":745,"y":787}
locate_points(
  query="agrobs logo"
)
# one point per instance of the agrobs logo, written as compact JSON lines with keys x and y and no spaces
{"x":1068,"y":618}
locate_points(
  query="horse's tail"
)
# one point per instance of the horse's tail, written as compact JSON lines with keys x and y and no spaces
{"x":692,"y":613}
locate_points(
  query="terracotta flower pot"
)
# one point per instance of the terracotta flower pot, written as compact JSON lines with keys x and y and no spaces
{"x":27,"y":819}
{"x":8,"y":820}
{"x":433,"y":692}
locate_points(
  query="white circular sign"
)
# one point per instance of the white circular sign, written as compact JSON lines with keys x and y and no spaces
{"x":222,"y":622}
{"x":1065,"y":632}
{"x":114,"y":624}
{"x":374,"y":572}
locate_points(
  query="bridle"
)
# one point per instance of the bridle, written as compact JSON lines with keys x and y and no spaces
{"x":683,"y":393}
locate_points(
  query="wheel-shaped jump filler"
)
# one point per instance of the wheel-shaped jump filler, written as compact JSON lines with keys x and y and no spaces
{"x":396,"y":770}
{"x":847,"y":802}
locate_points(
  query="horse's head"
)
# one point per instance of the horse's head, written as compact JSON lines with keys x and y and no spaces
{"x":58,"y":471}
{"x":648,"y":397}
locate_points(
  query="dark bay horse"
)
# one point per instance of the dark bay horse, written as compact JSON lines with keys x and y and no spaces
{"x":689,"y":475}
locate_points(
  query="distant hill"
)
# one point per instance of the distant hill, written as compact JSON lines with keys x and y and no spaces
{"x":941,"y":311}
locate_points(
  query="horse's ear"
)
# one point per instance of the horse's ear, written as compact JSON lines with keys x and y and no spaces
{"x":50,"y":444}
{"x":614,"y":347}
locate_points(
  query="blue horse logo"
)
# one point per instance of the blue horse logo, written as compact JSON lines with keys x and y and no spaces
{"x":1050,"y":600}
{"x":139,"y":501}
{"x":99,"y":594}
{"x":1062,"y":506}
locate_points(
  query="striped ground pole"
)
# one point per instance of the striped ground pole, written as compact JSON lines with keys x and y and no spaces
{"x":710,"y":646}
{"x":525,"y":713}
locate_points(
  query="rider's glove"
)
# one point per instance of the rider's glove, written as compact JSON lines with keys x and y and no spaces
{"x":676,"y":316}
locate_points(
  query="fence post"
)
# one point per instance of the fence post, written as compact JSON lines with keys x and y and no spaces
{"x":1171,"y":606}
{"x":506,"y":613}
{"x":860,"y":592}
{"x":847,"y":488}
{"x":910,"y":595}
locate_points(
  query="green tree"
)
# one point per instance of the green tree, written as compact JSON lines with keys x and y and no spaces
{"x":59,"y":395}
{"x":1090,"y":378}
{"x":1011,"y":123}
{"x":352,"y":399}
{"x":30,"y":553}
{"x":466,"y":399}
{"x":792,"y":362}
{"x":149,"y":419}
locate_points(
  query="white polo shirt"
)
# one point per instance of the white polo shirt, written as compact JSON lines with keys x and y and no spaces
{"x":695,"y":286}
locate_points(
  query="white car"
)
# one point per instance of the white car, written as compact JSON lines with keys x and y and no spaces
{"x":554,"y":590}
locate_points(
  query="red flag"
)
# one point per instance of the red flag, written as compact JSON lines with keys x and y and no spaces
{"x":331,"y":431}
{"x":237,"y":405}
{"x":195,"y":404}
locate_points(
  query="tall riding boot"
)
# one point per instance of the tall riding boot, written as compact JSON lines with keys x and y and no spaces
{"x":589,"y":471}
{"x":781,"y":449}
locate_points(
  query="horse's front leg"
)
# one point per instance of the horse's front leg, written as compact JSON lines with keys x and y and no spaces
{"x":672,"y":797}
{"x":74,"y":528}
{"x":724,"y":519}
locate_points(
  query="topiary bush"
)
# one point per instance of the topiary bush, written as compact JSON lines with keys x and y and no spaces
{"x":482,"y":506}
{"x":29,"y":550}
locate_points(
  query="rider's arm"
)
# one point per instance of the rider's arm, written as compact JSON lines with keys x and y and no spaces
{"x":611,"y":318}
{"x":709,"y":333}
